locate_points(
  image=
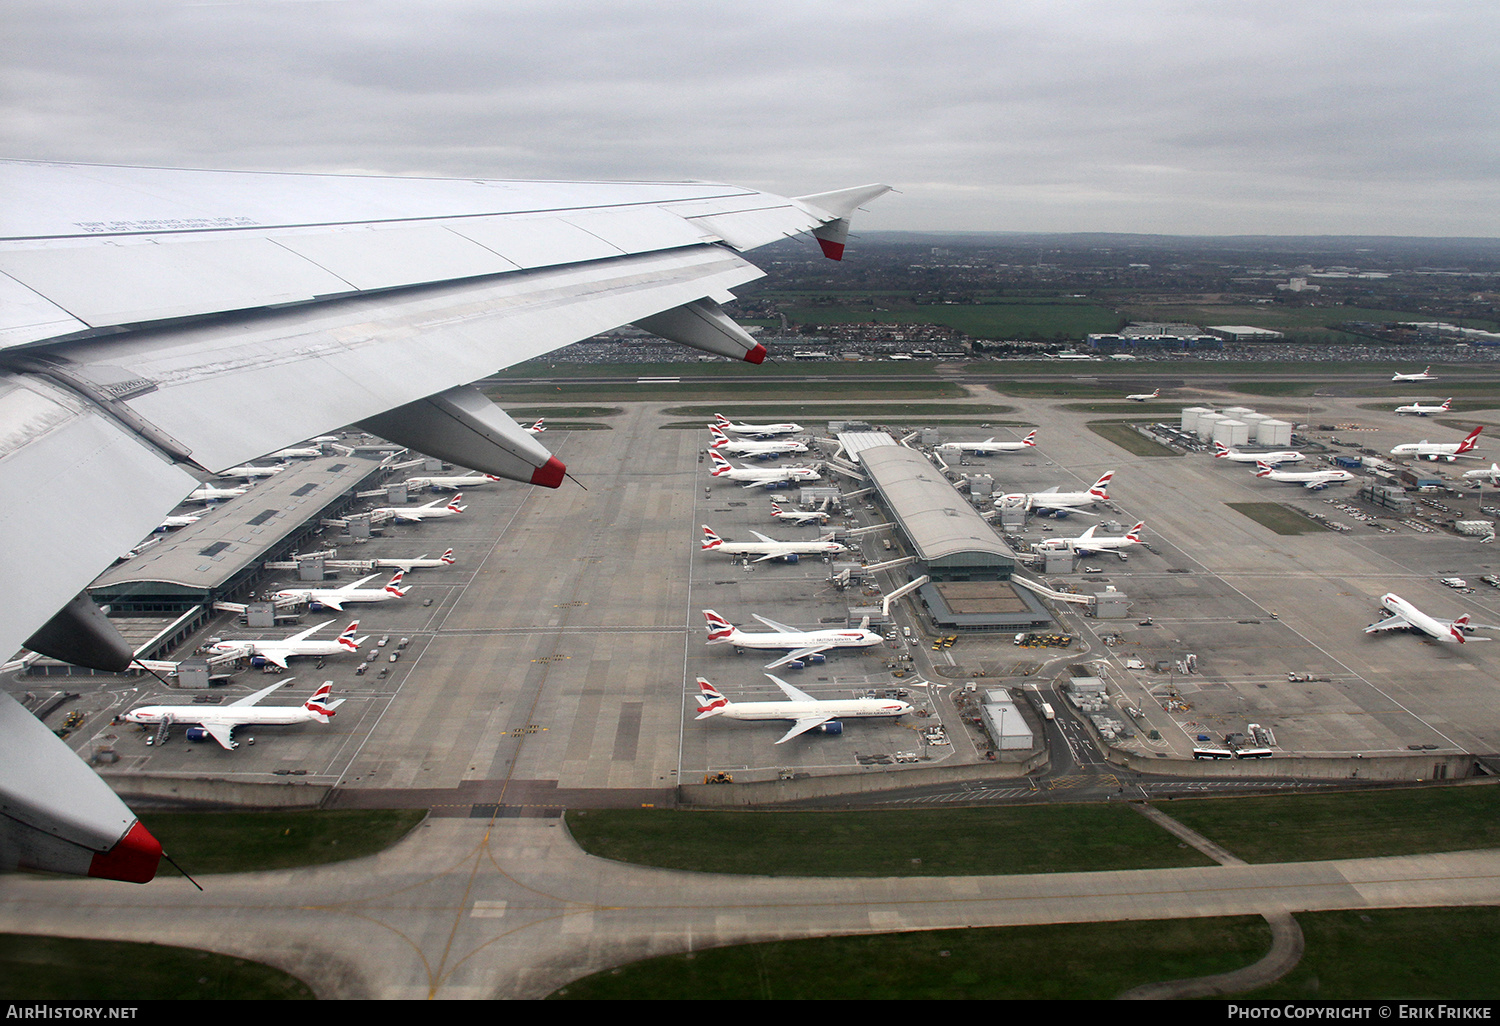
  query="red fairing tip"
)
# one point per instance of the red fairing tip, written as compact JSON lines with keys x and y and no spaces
{"x":133,"y":859}
{"x":756,"y":355}
{"x":832,"y":250}
{"x":550,"y":474}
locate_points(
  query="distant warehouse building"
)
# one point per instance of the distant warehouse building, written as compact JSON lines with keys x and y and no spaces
{"x":969,"y":565}
{"x":1243,"y":333}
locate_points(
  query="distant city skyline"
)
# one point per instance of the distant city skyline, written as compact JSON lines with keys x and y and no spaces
{"x":1160,"y":117}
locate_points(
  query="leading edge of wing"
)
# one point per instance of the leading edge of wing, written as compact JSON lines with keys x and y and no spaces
{"x":802,"y":726}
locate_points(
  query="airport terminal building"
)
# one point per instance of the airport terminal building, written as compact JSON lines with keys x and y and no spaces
{"x":969,"y":565}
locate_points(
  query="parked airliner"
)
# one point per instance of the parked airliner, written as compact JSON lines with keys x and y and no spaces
{"x":769,"y":548}
{"x":1450,"y":451}
{"x":1224,"y":452}
{"x":415,"y":514}
{"x":799,"y":516}
{"x":1406,"y":615}
{"x":744,"y":447}
{"x":758,"y":476}
{"x":1089,"y":543}
{"x":280,"y":650}
{"x":208,"y":493}
{"x":450,"y":483}
{"x":408,"y":565}
{"x":1313,"y":479}
{"x":989,"y":445}
{"x":250,"y":472}
{"x":806,"y":712}
{"x":221,"y":723}
{"x":756,"y":430}
{"x":336,"y":598}
{"x":1055,"y":500}
{"x":802,"y":645}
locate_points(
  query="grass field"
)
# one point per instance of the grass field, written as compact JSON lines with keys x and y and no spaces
{"x":1128,"y":438}
{"x":62,"y":969}
{"x":1390,"y":953}
{"x":1382,"y":954}
{"x":728,"y":390}
{"x":1092,"y":961}
{"x":235,"y":842}
{"x":1309,"y":827}
{"x":1275,"y":516}
{"x":818,"y":412}
{"x":914,"y":843}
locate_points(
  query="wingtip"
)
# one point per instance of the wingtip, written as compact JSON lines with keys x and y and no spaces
{"x":550,"y":474}
{"x":133,"y":859}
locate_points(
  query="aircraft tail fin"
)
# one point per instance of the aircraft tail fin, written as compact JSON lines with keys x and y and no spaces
{"x":447,"y":557}
{"x":1457,"y":630}
{"x":394,"y":586}
{"x":719,"y":629}
{"x":346,"y":639}
{"x":710,"y":540}
{"x":1030,"y":439}
{"x":319,"y":704}
{"x":720,"y":439}
{"x":1101,"y":486}
{"x":1135,"y":532}
{"x":1468,"y":444}
{"x":710,"y":701}
{"x":721,"y":465}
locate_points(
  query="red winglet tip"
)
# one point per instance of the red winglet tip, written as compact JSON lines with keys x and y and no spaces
{"x":550,"y":474}
{"x":832,"y":250}
{"x":133,"y":859}
{"x":756,"y":355}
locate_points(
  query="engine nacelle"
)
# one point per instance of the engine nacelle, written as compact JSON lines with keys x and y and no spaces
{"x":791,"y":557}
{"x":831,"y":727}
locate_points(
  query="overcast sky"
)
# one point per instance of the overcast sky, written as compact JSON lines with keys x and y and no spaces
{"x":1179,"y":116}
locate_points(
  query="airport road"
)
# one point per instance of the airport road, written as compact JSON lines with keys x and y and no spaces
{"x":512,"y":909}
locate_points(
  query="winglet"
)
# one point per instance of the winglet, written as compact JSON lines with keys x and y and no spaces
{"x":833,"y":209}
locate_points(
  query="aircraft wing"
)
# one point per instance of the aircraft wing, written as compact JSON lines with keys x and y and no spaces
{"x":222,"y":733}
{"x":254,"y":699}
{"x":158,"y":325}
{"x":795,"y":694}
{"x":1390,"y":623}
{"x":799,"y":654}
{"x":802,"y":726}
{"x":783,"y":628}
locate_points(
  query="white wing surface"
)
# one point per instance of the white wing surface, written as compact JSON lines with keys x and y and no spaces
{"x":159,"y":325}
